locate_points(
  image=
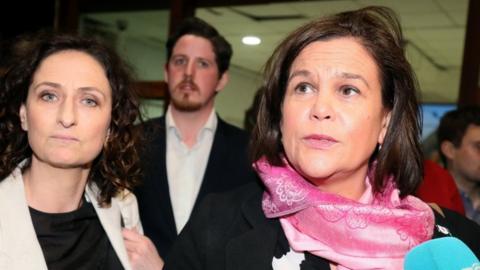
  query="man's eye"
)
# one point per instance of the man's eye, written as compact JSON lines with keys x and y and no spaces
{"x":203,"y":64}
{"x":179,"y":61}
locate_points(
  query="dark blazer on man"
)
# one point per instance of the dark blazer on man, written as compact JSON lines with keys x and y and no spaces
{"x":227,"y":168}
{"x":229,"y":231}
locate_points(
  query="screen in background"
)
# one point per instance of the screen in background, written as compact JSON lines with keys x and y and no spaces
{"x":431,"y":114}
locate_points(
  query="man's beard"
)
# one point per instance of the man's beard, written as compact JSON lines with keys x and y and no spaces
{"x":183,"y":103}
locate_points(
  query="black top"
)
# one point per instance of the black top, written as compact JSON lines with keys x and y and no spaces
{"x":74,"y":240}
{"x":230,"y":231}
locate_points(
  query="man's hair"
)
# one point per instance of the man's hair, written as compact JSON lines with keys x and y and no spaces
{"x":454,"y":125}
{"x":197,"y":27}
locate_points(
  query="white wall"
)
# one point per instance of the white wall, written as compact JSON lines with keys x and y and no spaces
{"x":237,"y":97}
{"x":437,"y":86}
{"x":146,"y":56}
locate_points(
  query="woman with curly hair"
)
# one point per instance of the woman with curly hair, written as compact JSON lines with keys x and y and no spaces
{"x":68,"y":160}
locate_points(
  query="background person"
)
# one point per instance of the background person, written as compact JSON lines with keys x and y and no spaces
{"x":459,"y":141}
{"x":438,"y":186}
{"x":191,"y":150}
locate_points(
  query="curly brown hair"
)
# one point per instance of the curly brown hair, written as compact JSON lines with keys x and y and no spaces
{"x":379,"y":31}
{"x":117,"y":167}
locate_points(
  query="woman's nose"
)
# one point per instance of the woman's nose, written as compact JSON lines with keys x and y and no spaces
{"x":322,"y":107}
{"x":67,"y":113}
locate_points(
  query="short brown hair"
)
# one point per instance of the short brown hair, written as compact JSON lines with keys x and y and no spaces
{"x":200,"y":28}
{"x":454,"y":125}
{"x":379,"y":31}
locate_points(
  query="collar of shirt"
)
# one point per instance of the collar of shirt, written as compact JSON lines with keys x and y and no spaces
{"x":210,"y":126}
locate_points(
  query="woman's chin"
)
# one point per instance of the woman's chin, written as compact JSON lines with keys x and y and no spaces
{"x":66,"y":162}
{"x":317,"y":176}
{"x":312,"y":167}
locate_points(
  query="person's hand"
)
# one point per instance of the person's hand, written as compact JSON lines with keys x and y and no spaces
{"x":142,"y":253}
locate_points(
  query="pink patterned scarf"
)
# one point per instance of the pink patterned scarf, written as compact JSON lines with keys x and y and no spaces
{"x":373,"y":233}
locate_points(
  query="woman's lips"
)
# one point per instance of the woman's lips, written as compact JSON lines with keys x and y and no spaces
{"x":319,"y":141}
{"x":64,"y":138}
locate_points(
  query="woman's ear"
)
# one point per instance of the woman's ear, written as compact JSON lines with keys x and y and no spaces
{"x":23,"y":117}
{"x":385,"y":124}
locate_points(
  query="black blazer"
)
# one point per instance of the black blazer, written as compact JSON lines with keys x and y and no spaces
{"x":231,"y":232}
{"x":227,"y":168}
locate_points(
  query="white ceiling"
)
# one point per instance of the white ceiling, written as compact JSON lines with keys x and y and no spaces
{"x":434,"y":28}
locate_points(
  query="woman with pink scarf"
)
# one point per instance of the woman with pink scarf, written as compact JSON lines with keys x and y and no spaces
{"x":336,"y":147}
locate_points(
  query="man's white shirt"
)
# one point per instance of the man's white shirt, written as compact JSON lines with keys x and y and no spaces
{"x":186,"y":166}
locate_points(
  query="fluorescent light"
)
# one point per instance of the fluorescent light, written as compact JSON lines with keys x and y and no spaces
{"x":251,"y":40}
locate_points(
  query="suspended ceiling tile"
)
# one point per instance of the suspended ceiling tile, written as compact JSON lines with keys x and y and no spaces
{"x":404,"y":6}
{"x":453,"y":5}
{"x":430,"y":20}
{"x":315,"y":9}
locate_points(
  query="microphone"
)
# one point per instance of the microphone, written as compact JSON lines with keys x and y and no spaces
{"x":441,"y":254}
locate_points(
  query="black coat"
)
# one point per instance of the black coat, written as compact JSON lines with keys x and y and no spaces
{"x":231,"y":232}
{"x":227,"y":168}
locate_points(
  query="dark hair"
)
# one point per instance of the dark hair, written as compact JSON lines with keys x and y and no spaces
{"x":250,"y":117}
{"x":454,"y":124}
{"x":197,"y":27}
{"x":378,"y":30}
{"x":116,"y":168}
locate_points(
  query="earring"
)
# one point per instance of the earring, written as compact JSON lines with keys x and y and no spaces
{"x":106,"y":139}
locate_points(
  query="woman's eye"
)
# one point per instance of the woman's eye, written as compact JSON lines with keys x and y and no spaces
{"x":303,"y":88}
{"x":49,"y":97}
{"x":90,"y":102}
{"x":349,"y":91}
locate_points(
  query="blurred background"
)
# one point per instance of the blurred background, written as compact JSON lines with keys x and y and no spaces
{"x":443,"y":41}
